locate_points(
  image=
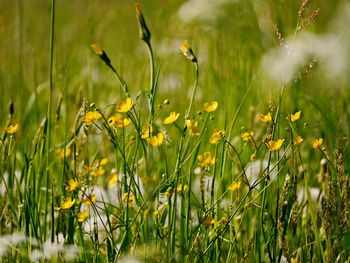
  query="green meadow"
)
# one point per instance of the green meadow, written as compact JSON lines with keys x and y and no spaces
{"x":174,"y":131}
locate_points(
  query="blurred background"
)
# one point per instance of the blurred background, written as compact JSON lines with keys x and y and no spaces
{"x":234,"y":40}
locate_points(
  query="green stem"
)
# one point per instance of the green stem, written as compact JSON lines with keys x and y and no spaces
{"x":194,"y":90}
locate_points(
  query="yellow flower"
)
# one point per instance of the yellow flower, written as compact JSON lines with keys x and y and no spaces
{"x":298,"y":140}
{"x":295,"y":116}
{"x":171,"y":118}
{"x":118,"y":121}
{"x":169,"y":191}
{"x":192,"y":127}
{"x":247,"y":135}
{"x":217,"y":136}
{"x":128,"y":199}
{"x":72,"y":185}
{"x":98,"y":171}
{"x":97,"y":49}
{"x":210,"y":106}
{"x":63,"y":152}
{"x":12,"y":129}
{"x":209,"y":221}
{"x":156,"y":141}
{"x":234,"y":186}
{"x":125,"y":105}
{"x":89,"y":200}
{"x":82,"y":216}
{"x":146,"y":131}
{"x":206,"y":159}
{"x":67,"y":203}
{"x":187,"y":51}
{"x":316,"y":143}
{"x":113,"y":180}
{"x":265,"y":118}
{"x":275,"y":145}
{"x":179,"y":188}
{"x":91,"y":116}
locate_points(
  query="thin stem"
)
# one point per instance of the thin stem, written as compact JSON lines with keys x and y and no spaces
{"x":194,"y":90}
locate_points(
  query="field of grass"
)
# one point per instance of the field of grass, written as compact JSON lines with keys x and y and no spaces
{"x":174,"y":131}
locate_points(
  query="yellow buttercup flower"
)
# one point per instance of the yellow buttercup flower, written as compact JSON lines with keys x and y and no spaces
{"x":91,"y":116}
{"x":89,"y":200}
{"x":125,"y":105}
{"x":247,"y":135}
{"x":265,"y":118}
{"x":316,"y":143}
{"x":234,"y":186}
{"x":206,"y":159}
{"x":192,"y":127}
{"x":187,"y":51}
{"x":298,"y":140}
{"x":113,"y":180}
{"x":118,"y":121}
{"x":72,"y":185}
{"x":82,"y":216}
{"x":171,"y":118}
{"x":130,"y":200}
{"x":63,"y":152}
{"x":217,"y":136}
{"x":275,"y":145}
{"x":210,"y":106}
{"x":146,"y":131}
{"x":67,"y":203}
{"x":156,"y":141}
{"x":295,"y":116}
{"x":12,"y":129}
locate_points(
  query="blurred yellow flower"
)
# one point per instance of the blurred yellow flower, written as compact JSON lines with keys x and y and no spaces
{"x":209,"y":221}
{"x":12,"y":129}
{"x":247,"y":135}
{"x":217,"y":136}
{"x":130,"y":200}
{"x":97,"y":171}
{"x":295,"y":116}
{"x":275,"y":145}
{"x":63,"y":152}
{"x":210,"y":106}
{"x":72,"y":185}
{"x":192,"y":127}
{"x":234,"y":186}
{"x":169,"y":191}
{"x":298,"y":140}
{"x":156,"y":141}
{"x":82,"y":216}
{"x":91,"y":116}
{"x":89,"y":200}
{"x":316,"y":143}
{"x":265,"y":118}
{"x":171,"y":118}
{"x":179,"y":188}
{"x":118,"y":121}
{"x":187,"y":51}
{"x":113,"y":180}
{"x":206,"y":159}
{"x":97,"y":49}
{"x":125,"y":105}
{"x":67,"y":203}
{"x":146,"y":131}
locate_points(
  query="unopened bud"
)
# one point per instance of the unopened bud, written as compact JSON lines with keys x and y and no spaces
{"x":144,"y":32}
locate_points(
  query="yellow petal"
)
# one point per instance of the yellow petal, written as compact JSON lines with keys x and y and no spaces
{"x":295,"y":116}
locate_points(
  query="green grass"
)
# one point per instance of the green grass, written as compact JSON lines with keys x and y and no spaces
{"x":170,"y":202}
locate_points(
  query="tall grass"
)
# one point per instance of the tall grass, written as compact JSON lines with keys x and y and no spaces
{"x":120,"y":166}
